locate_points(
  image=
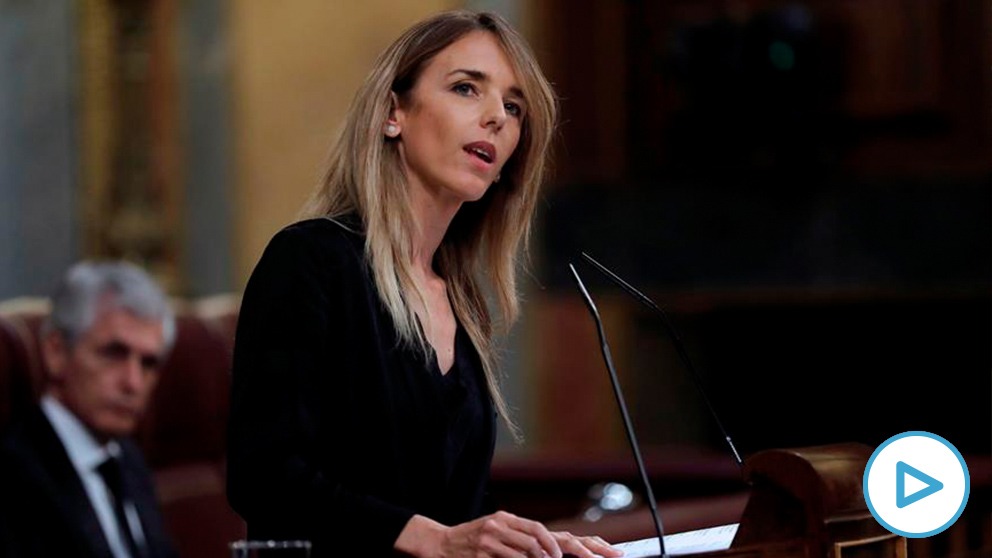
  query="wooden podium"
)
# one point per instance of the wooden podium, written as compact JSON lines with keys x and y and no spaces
{"x":808,"y":503}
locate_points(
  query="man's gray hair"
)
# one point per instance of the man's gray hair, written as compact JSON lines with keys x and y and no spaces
{"x":129,"y":288}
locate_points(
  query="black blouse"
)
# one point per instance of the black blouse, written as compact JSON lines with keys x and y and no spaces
{"x":339,"y":433}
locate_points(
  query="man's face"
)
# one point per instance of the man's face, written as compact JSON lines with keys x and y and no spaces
{"x":107,"y":377}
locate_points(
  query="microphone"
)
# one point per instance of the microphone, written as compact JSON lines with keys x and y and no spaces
{"x":679,"y":347}
{"x":628,"y":427}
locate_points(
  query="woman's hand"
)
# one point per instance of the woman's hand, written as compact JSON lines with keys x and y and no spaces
{"x":584,"y":547}
{"x":500,"y":535}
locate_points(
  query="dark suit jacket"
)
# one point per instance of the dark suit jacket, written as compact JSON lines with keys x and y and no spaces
{"x":44,"y":509}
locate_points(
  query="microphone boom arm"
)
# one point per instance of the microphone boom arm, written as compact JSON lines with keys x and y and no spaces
{"x":679,"y":347}
{"x":628,"y":426}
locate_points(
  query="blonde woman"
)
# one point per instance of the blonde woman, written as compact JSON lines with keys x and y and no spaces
{"x":365,"y":393}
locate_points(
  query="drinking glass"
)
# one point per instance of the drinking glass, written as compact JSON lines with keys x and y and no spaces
{"x":270,"y":549}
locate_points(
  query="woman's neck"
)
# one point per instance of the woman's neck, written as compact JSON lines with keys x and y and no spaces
{"x":432,"y":216}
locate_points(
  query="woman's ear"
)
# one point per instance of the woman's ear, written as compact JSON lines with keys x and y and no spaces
{"x":392,"y":128}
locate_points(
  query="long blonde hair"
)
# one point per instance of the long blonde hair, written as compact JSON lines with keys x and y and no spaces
{"x":480,"y":249}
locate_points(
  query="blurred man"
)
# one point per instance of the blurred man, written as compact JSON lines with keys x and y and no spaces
{"x":71,"y":481}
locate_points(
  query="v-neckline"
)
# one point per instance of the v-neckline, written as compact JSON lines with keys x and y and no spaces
{"x":454,"y":348}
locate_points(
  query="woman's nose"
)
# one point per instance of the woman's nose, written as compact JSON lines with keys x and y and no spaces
{"x":495,"y":115}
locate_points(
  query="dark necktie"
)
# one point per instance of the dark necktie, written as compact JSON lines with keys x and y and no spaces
{"x":110,"y":470}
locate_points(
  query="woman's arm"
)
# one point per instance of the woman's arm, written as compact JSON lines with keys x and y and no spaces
{"x":292,"y":329}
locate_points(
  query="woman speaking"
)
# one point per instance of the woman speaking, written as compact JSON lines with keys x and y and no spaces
{"x":365,"y":393}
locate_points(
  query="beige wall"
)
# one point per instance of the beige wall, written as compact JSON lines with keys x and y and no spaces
{"x":294,"y":73}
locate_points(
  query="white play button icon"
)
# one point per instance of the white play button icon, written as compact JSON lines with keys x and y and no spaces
{"x":916,"y":484}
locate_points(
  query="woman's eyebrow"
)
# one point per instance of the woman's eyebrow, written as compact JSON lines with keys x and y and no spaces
{"x":474,"y":74}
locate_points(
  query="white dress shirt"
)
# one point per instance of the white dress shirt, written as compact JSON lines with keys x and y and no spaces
{"x":86,"y":455}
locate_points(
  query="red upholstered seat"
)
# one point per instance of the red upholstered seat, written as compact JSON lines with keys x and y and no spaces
{"x":221,"y":313}
{"x":187,"y":417}
{"x":22,"y":373}
{"x":16,"y":390}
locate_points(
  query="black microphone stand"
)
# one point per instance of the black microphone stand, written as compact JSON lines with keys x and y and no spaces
{"x":628,"y":426}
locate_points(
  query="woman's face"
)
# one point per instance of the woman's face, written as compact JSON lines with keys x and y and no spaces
{"x":462,"y":119}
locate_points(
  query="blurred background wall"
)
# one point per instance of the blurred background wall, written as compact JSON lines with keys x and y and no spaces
{"x":804,"y":186}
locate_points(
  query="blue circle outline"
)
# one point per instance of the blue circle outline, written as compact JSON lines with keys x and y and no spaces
{"x":948,"y":445}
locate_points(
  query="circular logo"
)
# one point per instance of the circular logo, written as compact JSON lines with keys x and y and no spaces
{"x":916,"y":484}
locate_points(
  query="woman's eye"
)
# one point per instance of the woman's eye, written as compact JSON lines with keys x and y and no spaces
{"x":463,"y":89}
{"x":513,"y":109}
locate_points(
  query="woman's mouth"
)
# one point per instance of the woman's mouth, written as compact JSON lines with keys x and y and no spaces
{"x":483,"y":150}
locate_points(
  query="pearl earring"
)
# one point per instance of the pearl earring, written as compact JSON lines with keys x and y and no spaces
{"x":392,"y":130}
{"x":498,"y":175}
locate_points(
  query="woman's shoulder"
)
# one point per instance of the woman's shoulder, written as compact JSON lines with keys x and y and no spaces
{"x":345,"y":230}
{"x":348,"y":227}
{"x":338,"y":239}
{"x":313,"y":259}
